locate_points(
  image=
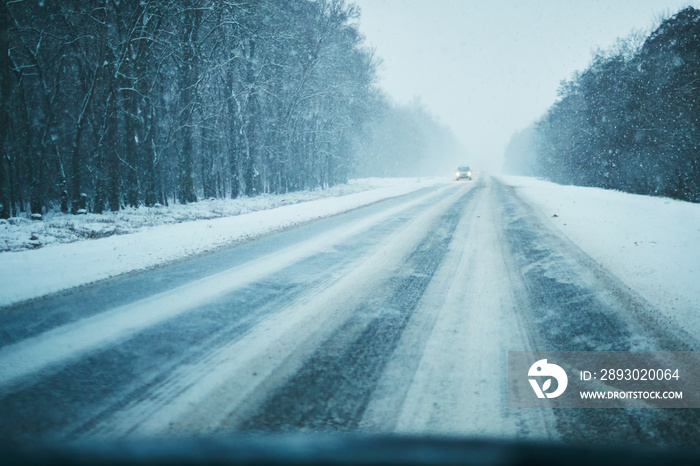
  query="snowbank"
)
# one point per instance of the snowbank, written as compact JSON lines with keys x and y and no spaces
{"x":651,"y":243}
{"x":17,"y":233}
{"x":157,"y":237}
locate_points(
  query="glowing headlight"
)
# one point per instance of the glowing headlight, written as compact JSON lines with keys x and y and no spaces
{"x":469,"y":173}
{"x":457,"y":174}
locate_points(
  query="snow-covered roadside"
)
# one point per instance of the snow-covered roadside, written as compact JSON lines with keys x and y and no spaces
{"x":21,"y":233}
{"x":652,"y":244}
{"x":32,"y":273}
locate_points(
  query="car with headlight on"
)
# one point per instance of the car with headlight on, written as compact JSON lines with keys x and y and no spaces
{"x":464,"y":173}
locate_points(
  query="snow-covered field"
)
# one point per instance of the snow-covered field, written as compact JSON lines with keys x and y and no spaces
{"x":651,"y":243}
{"x":98,"y":246}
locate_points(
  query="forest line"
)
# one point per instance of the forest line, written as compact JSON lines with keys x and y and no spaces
{"x":630,"y":121}
{"x":144,"y":102}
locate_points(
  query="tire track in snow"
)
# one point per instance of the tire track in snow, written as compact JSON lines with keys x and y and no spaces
{"x":574,"y":304}
{"x":232,"y":316}
{"x":448,"y":377}
{"x":333,"y":388}
{"x":197,"y":396}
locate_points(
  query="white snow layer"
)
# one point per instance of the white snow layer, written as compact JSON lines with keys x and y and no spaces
{"x":652,"y":244}
{"x":31,"y":273}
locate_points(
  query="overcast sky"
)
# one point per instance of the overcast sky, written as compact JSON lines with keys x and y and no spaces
{"x":489,"y":68}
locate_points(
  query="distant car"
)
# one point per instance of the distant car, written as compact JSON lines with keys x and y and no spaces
{"x":464,"y":173}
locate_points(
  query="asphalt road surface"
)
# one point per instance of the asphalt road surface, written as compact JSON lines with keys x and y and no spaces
{"x":392,"y":318}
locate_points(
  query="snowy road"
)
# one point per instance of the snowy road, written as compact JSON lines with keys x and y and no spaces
{"x":395,"y":317}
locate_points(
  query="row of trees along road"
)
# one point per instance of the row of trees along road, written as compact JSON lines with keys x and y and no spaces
{"x":631,"y":121}
{"x":109,"y":104}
